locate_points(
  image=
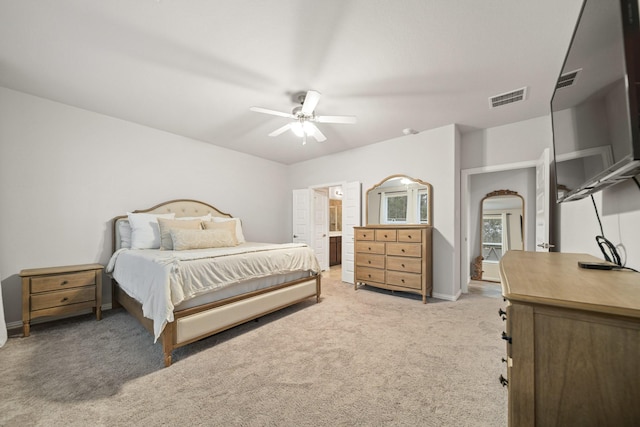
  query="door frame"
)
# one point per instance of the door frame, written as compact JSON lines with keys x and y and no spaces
{"x":465,"y":215}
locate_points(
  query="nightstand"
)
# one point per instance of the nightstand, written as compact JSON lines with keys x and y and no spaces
{"x":56,"y":291}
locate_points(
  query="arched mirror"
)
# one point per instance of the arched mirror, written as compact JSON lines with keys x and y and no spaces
{"x":400,"y":199}
{"x":501,"y":230}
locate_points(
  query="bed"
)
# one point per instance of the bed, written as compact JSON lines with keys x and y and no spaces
{"x":202,"y":285}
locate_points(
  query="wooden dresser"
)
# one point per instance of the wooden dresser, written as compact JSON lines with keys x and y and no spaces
{"x":394,"y":257}
{"x":55,"y":291}
{"x":573,"y":341}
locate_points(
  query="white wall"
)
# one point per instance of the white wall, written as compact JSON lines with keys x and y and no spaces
{"x":432,"y":156}
{"x":619,"y":206}
{"x":66,"y":172}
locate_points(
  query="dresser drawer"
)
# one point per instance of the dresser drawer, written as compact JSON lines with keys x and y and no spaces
{"x":370,"y":247}
{"x":62,"y":281}
{"x":407,"y":280}
{"x":404,"y":249}
{"x":61,"y":298}
{"x":366,"y":274}
{"x":386,"y":235}
{"x":410,"y":265}
{"x":370,"y":260}
{"x":409,"y":236}
{"x":365,"y":235}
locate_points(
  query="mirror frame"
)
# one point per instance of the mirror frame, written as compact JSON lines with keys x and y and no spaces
{"x":476,"y":273}
{"x":418,"y":181}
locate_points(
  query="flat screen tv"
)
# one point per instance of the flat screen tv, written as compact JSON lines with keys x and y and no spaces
{"x":594,"y":108}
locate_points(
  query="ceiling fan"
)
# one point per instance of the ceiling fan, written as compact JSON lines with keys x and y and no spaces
{"x":304,"y":117}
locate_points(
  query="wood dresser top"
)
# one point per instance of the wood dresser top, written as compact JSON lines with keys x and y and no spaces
{"x":554,"y":279}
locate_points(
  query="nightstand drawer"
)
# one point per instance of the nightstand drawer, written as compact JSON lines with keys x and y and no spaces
{"x":404,"y":249}
{"x":371,"y":260}
{"x":62,"y":281}
{"x":407,"y":280}
{"x":410,"y":265}
{"x":61,"y":298}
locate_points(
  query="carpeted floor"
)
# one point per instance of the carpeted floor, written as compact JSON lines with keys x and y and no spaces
{"x":366,"y":358}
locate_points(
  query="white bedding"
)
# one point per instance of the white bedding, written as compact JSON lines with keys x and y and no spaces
{"x":160,"y":280}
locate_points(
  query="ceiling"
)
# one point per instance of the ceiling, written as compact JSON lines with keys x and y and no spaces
{"x":194,"y":67}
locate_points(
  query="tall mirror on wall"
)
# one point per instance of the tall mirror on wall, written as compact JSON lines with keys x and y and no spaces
{"x":400,"y":199}
{"x":501,"y":230}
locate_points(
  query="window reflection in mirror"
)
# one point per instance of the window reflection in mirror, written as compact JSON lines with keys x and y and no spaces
{"x":399,"y":199}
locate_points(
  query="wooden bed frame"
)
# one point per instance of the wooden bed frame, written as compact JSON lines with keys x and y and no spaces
{"x":195,"y":323}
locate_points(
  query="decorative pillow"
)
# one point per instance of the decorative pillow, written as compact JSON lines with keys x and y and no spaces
{"x":124,"y":229}
{"x":238,"y":223}
{"x":166,"y":225}
{"x":229,"y":226}
{"x":206,"y":217}
{"x":184,"y":239}
{"x":145,"y":232}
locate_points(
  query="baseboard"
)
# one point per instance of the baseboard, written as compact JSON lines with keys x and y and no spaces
{"x":447,"y":297}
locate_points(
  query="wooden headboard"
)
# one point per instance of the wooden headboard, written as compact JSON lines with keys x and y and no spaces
{"x":181,"y":207}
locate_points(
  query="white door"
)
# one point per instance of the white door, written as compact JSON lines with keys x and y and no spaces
{"x":542,"y":202}
{"x":321,"y":227}
{"x":351,"y":217}
{"x":301,"y":209}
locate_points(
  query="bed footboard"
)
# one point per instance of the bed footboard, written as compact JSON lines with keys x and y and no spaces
{"x":196,"y":323}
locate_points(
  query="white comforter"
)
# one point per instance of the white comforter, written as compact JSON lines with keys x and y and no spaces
{"x":160,"y":280}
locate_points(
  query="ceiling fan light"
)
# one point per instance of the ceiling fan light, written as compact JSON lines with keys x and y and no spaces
{"x":297,"y":128}
{"x":302,"y":128}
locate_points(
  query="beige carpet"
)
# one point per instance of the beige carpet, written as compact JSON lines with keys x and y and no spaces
{"x":365,"y":358}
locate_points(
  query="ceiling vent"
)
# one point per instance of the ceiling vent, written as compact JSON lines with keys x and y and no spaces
{"x":568,"y":79}
{"x":508,"y":97}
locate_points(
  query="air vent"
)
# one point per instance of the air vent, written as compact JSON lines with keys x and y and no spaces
{"x":508,"y":98}
{"x":568,"y":79}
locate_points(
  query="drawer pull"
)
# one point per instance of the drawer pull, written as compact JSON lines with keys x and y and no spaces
{"x":502,"y":314}
{"x":65,"y":299}
{"x":369,"y":261}
{"x":402,"y":280}
{"x":369,"y":247}
{"x":402,"y":250}
{"x":506,"y":337}
{"x":64,"y":282}
{"x":368,"y":275}
{"x":402,"y":265}
{"x":504,"y":360}
{"x":385,"y":236}
{"x":409,"y":236}
{"x":503,"y":381}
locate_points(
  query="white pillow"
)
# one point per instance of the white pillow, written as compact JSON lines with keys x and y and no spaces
{"x":239,"y":234}
{"x":145,"y":231}
{"x":124,"y":229}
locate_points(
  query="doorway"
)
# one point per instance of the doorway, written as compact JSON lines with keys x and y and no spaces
{"x":312,"y":222}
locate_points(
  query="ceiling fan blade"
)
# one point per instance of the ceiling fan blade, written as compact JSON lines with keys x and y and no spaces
{"x":272,"y":112}
{"x":319,"y":136}
{"x":310,"y":102}
{"x":336,"y":119}
{"x":280,"y":130}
